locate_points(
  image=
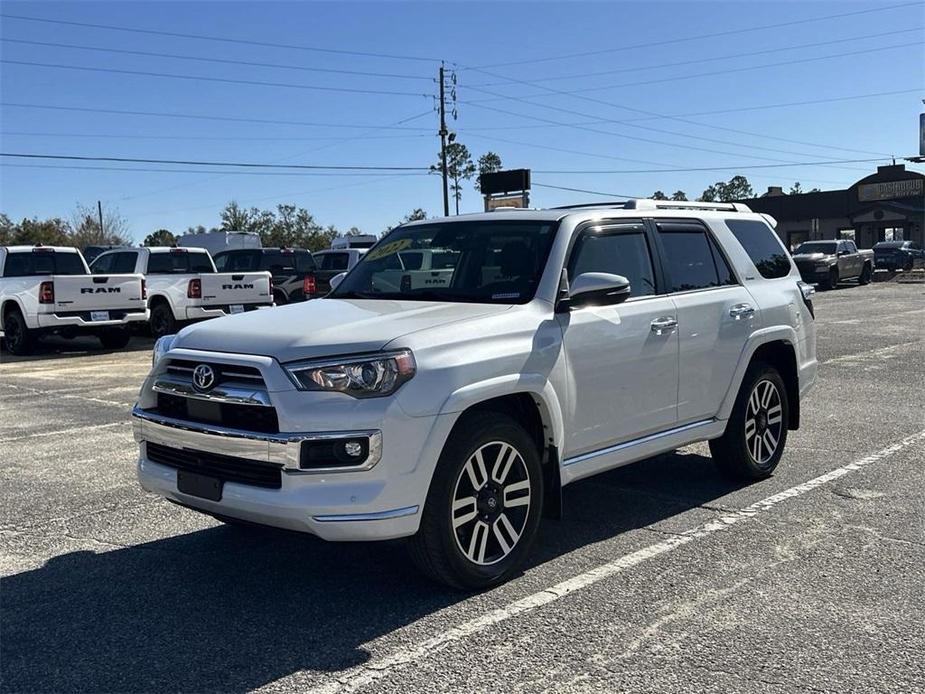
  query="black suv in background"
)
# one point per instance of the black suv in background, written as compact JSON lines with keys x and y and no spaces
{"x":293,"y":270}
{"x":898,"y":255}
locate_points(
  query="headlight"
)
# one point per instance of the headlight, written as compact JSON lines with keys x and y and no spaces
{"x":369,"y":376}
{"x":161,"y":347}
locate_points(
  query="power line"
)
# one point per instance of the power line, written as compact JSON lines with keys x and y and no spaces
{"x":591,"y":192}
{"x":184,"y":162}
{"x":684,"y":63}
{"x":683,"y":39}
{"x":232,"y":119}
{"x":708,"y":168}
{"x":221,"y":172}
{"x":208,"y":138}
{"x":223,"y":80}
{"x":174,"y":56}
{"x":682,"y":78}
{"x":223,"y":39}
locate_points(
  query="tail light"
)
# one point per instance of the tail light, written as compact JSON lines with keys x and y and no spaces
{"x":144,"y":289}
{"x":309,"y":287}
{"x":194,"y":289}
{"x":47,"y":293}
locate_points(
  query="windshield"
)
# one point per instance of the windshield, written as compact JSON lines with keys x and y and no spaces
{"x":815,"y":247}
{"x":479,"y":261}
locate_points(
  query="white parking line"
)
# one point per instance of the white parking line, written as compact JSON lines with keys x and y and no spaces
{"x":61,"y":432}
{"x":363,"y":675}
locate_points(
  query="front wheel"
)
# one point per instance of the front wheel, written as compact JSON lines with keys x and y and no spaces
{"x":832,"y":280}
{"x":753,"y":443}
{"x":484,"y":504}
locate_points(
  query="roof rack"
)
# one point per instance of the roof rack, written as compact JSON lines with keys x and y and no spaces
{"x":649,"y":204}
{"x":582,"y":205}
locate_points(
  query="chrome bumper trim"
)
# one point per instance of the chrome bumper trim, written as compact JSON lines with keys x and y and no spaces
{"x":282,"y":449}
{"x":379,"y":515}
{"x":234,"y":395}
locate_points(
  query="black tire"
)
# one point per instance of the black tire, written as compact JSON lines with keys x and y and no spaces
{"x":115,"y":338}
{"x":497,"y":513}
{"x":280,"y":299}
{"x":831,"y":282}
{"x":909,"y":264}
{"x":19,"y":340}
{"x":162,"y":320}
{"x":866,"y":274}
{"x":740,"y":455}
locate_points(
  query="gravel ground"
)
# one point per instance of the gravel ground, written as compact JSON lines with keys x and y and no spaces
{"x":655,"y":580}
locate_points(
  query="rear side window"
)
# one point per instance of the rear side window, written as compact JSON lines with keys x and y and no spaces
{"x":621,"y":250}
{"x":43,"y":263}
{"x":334,"y":261}
{"x":694,"y":262}
{"x":123,"y":263}
{"x":762,"y":246}
{"x":304,"y":262}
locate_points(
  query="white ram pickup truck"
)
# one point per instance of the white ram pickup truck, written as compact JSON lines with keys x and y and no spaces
{"x":49,"y":289}
{"x":556,"y":345}
{"x":184,"y":286}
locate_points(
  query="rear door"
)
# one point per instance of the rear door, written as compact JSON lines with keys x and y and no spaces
{"x":716,"y":315}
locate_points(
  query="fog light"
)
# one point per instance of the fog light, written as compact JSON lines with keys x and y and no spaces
{"x":353,"y":448}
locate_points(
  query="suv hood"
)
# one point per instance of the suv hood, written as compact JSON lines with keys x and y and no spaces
{"x":325,"y":327}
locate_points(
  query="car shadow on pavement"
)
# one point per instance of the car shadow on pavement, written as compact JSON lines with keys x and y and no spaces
{"x":231,"y":609}
{"x":54,"y":347}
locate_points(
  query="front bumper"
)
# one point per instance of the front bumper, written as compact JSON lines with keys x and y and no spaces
{"x":808,"y":273}
{"x":376,"y":502}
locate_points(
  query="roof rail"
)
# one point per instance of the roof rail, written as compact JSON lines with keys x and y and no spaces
{"x":582,"y":205}
{"x":649,"y":204}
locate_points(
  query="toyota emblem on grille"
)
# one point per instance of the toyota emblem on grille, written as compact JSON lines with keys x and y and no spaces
{"x":203,"y":377}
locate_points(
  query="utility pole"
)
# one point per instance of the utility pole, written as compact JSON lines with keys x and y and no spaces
{"x":99,"y":209}
{"x":443,"y":133}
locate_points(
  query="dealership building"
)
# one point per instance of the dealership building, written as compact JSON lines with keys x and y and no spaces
{"x":888,"y":205}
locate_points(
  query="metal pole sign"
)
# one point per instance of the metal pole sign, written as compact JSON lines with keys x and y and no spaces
{"x":505,"y":188}
{"x":922,"y":134}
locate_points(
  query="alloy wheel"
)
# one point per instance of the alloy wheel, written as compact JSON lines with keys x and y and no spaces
{"x":763,"y":422}
{"x":491,"y":503}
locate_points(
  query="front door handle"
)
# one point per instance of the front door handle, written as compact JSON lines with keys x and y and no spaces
{"x":740,"y":311}
{"x":664,"y":324}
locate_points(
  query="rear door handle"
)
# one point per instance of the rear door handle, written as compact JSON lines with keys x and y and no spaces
{"x":740,"y":311}
{"x":664,"y":324}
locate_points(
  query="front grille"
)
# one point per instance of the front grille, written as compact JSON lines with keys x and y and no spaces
{"x":224,"y":373}
{"x":224,"y":467}
{"x":247,"y":417}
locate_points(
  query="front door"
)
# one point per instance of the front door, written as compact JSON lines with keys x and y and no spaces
{"x":623,"y":359}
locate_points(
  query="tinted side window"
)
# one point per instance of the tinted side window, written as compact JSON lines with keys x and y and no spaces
{"x":690,"y":259}
{"x":18,"y":265}
{"x":221,"y":260}
{"x":68,"y":264}
{"x":123,"y":263}
{"x":200,"y":262}
{"x":621,"y":250}
{"x":762,"y":245}
{"x":304,"y":261}
{"x":334,"y":261}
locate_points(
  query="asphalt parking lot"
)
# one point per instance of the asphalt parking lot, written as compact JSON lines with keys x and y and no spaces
{"x":661,"y":577}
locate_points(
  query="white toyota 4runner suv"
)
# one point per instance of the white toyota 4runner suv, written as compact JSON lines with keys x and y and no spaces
{"x":452,"y":408}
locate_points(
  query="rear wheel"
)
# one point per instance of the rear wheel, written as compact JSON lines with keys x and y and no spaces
{"x":115,"y":338}
{"x":279,"y":298}
{"x":866,"y":274}
{"x":17,"y":336}
{"x":162,"y":320}
{"x":484,"y":504}
{"x":753,"y":443}
{"x":908,"y":265}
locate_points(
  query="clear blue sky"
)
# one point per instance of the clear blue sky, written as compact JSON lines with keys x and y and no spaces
{"x":660,"y":75}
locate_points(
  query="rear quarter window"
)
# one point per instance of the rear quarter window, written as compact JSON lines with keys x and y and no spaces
{"x":761,"y":244}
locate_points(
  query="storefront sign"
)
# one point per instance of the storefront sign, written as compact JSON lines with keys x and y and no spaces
{"x":870,"y":192}
{"x":518,"y":201}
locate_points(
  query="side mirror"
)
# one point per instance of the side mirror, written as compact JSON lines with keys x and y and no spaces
{"x":842,"y":252}
{"x":337,"y":279}
{"x":598,"y":289}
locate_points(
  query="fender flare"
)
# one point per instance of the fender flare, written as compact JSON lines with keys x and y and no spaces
{"x":533,"y":384}
{"x":154,"y":298}
{"x":780,"y":333}
{"x":22,"y":311}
